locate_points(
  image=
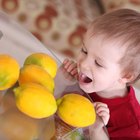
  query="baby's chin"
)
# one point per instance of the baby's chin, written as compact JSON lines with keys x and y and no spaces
{"x":87,"y":90}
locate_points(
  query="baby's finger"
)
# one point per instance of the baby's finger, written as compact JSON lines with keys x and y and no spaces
{"x":74,"y":71}
{"x":71,"y":67}
{"x":67,"y":75}
{"x":99,"y":104}
{"x":102,"y":108}
{"x":103,"y":113}
{"x":105,"y":116}
{"x":65,"y":61}
{"x":68,"y":63}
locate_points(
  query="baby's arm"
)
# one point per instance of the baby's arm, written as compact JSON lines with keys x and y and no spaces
{"x":97,"y":131}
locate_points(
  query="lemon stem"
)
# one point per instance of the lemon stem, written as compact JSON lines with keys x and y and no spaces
{"x":58,"y":101}
{"x":16,"y":91}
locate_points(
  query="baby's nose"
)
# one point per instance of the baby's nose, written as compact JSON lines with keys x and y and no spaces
{"x":85,"y":65}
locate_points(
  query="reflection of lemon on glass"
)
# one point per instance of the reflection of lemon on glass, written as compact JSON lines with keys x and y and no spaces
{"x":17,"y":126}
{"x":35,"y":100}
{"x":36,"y":74}
{"x":76,"y":110}
{"x":44,"y":60}
{"x":9,"y":71}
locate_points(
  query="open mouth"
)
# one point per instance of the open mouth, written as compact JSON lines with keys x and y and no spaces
{"x":84,"y":79}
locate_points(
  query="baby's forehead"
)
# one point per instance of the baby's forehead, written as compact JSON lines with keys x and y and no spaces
{"x":104,"y":42}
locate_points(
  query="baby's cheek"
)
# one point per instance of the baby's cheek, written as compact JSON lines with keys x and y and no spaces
{"x":80,"y":57}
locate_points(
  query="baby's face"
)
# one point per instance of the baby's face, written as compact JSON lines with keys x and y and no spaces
{"x":98,"y":64}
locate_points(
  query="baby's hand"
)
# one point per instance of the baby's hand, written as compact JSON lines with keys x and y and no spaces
{"x":70,"y":67}
{"x":102,"y":111}
{"x":103,"y":115}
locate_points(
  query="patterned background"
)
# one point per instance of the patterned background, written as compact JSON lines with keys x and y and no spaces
{"x":60,"y":24}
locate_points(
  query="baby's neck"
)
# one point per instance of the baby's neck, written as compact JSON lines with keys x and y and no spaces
{"x":122,"y":92}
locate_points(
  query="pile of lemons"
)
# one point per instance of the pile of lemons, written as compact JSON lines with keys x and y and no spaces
{"x":34,"y":94}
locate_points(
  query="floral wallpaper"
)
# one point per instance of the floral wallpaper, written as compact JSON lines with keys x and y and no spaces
{"x":59,"y":24}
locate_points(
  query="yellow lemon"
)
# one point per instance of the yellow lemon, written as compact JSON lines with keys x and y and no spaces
{"x":36,"y":74}
{"x":35,"y":100}
{"x":44,"y":60}
{"x":9,"y":71}
{"x":76,"y":110}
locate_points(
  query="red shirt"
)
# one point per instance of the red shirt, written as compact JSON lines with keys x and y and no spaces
{"x":124,"y":122}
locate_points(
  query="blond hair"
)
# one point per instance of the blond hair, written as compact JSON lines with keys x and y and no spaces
{"x":122,"y":24}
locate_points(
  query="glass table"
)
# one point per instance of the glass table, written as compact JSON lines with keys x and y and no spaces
{"x":14,"y":125}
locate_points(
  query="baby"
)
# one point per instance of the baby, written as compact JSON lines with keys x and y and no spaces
{"x":106,"y":68}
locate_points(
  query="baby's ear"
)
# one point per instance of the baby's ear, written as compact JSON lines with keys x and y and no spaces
{"x":127,"y":78}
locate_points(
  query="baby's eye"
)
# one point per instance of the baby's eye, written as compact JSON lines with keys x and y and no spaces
{"x":99,"y":65}
{"x":84,"y":51}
